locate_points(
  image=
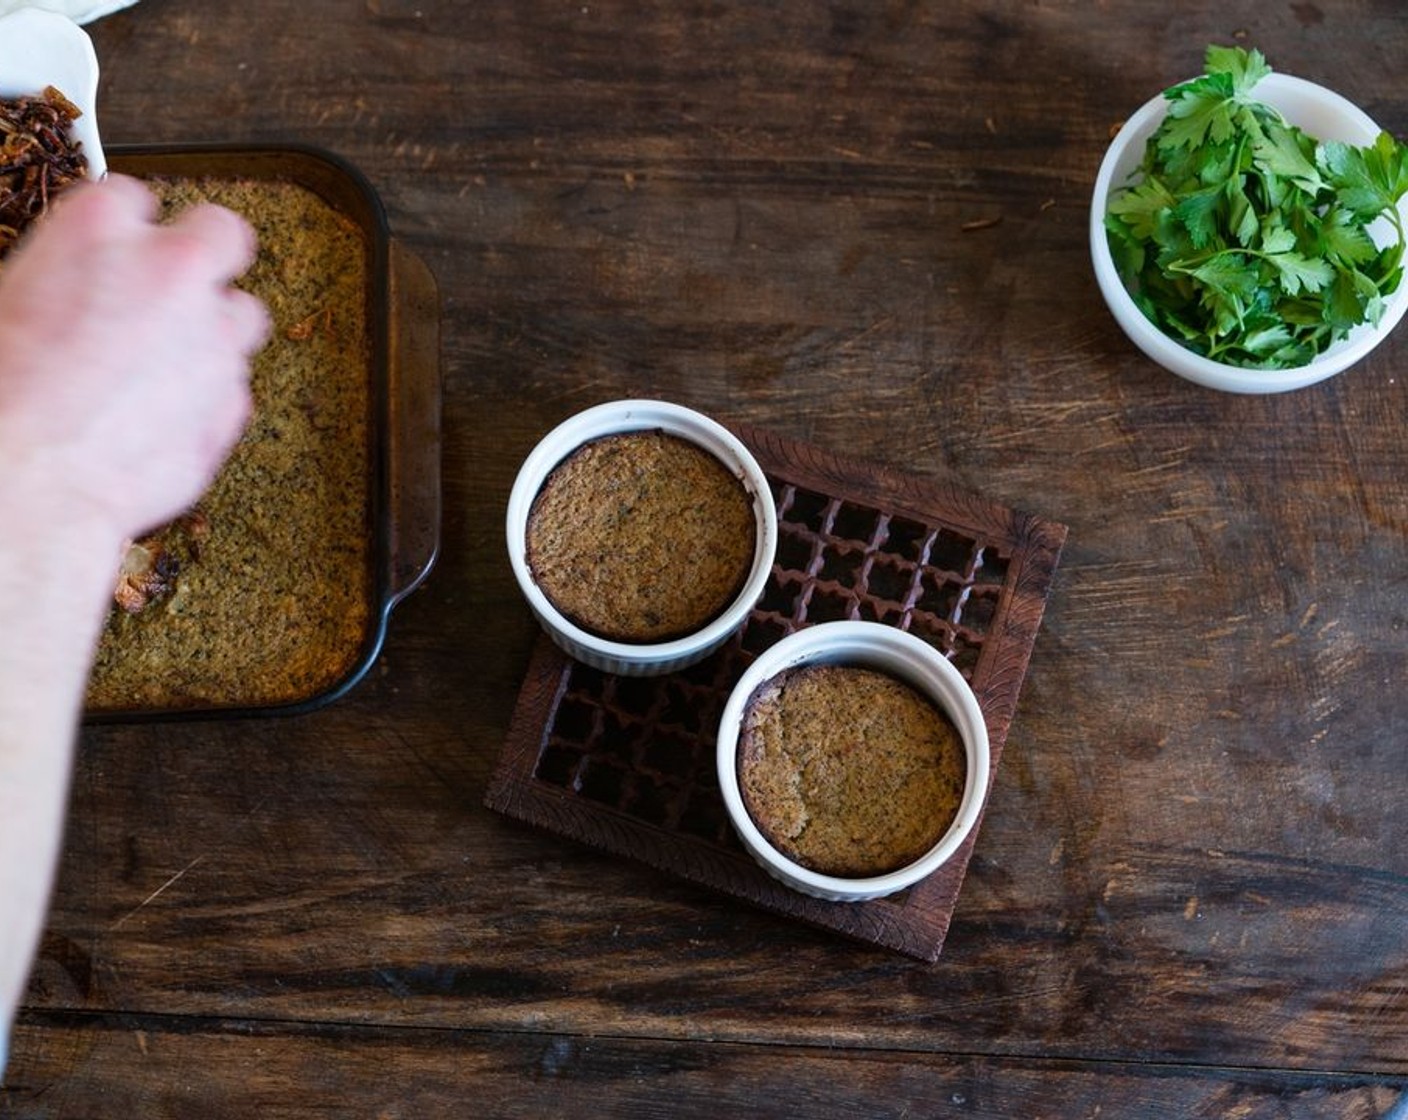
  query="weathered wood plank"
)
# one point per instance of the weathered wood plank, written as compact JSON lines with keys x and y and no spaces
{"x":162,"y":1068}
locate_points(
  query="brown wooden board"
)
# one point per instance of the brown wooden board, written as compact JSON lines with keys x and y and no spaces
{"x":627,"y":764}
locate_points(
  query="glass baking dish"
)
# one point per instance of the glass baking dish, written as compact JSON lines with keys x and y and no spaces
{"x":400,"y":487}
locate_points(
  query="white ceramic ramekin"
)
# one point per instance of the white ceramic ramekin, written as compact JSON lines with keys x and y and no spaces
{"x":875,"y":646}
{"x":629,"y":658}
{"x":1321,"y":114}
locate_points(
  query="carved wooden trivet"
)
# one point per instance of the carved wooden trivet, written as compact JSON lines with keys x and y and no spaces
{"x":626,"y":764}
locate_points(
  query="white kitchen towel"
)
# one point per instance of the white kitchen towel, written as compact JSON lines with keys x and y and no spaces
{"x":80,"y":11}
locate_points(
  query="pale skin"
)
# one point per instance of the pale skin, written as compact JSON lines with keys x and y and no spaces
{"x":124,"y":383}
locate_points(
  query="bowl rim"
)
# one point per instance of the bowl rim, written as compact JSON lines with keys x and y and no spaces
{"x":910,"y":659}
{"x":1124,"y":151}
{"x":633,"y":415}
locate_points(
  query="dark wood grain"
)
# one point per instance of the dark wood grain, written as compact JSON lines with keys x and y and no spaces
{"x":140,"y":1066}
{"x":1190,"y":893}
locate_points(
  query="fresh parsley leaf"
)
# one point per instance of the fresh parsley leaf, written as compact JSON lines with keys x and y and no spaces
{"x":1245,"y":68}
{"x":1278,"y":152}
{"x":1140,"y":206}
{"x":1299,"y":274}
{"x":1229,"y":277}
{"x":1277,"y":238}
{"x":1197,"y":114}
{"x":1266,"y":341}
{"x":1370,"y":180}
{"x":1198,"y":212}
{"x":1241,"y":215}
{"x":1344,"y":239}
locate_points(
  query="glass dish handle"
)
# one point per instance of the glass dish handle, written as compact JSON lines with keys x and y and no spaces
{"x":414,"y":423}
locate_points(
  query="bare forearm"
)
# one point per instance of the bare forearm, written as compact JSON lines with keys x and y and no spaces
{"x":53,"y":592}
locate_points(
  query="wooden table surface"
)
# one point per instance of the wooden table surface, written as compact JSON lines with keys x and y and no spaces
{"x":861,"y":225}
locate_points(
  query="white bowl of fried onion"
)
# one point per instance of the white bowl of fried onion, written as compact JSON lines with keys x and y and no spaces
{"x":42,"y":50}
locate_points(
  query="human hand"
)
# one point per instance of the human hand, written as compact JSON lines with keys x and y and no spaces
{"x":124,"y":356}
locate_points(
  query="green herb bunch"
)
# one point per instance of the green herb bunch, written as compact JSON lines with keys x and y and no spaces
{"x":1245,"y":238}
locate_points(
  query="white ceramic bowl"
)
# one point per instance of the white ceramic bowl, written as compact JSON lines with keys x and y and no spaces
{"x":40,"y":48}
{"x":1319,"y":113}
{"x":876,"y":646}
{"x":629,"y":658}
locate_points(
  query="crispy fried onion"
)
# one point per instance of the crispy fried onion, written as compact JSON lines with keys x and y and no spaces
{"x":39,"y":159}
{"x":151,"y":565}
